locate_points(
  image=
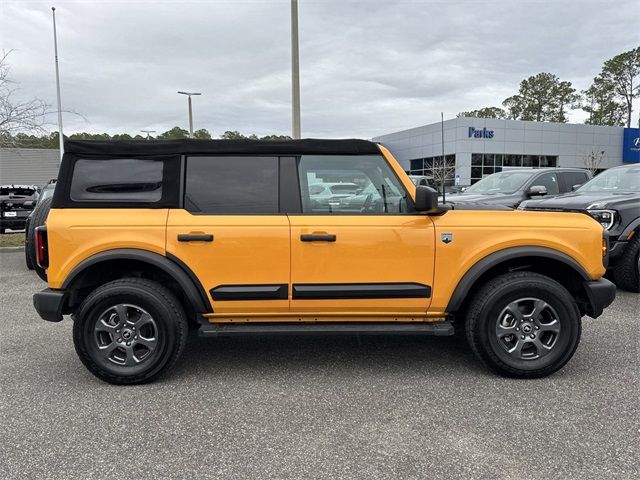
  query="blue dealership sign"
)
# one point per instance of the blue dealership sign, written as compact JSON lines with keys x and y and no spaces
{"x":484,"y":133}
{"x":631,"y":145}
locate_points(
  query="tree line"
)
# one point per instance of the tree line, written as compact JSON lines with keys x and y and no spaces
{"x":50,"y":140}
{"x":545,"y":98}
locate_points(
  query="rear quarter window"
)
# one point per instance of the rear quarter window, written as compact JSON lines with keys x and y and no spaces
{"x":117,"y":180}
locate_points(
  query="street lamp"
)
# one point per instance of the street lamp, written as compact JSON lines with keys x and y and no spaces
{"x":189,"y":94}
{"x":148,"y":132}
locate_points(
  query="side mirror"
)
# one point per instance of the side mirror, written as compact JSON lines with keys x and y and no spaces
{"x":537,"y":191}
{"x":576,"y":186}
{"x":426,"y":199}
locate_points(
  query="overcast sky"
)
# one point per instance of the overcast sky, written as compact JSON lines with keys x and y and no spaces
{"x":367,"y":67}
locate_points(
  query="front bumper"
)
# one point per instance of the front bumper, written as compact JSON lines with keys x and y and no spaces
{"x":600,"y":294}
{"x":49,"y":304}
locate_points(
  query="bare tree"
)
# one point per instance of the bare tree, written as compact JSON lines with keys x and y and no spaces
{"x":18,"y":116}
{"x":443,"y":174}
{"x":593,"y":160}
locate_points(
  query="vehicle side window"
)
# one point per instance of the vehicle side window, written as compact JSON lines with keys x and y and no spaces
{"x":350,"y":184}
{"x":231,"y":185}
{"x":573,"y":178}
{"x":117,"y":180}
{"x":549,"y":180}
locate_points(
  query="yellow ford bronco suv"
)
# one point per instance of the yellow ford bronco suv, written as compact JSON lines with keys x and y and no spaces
{"x":145,"y":239}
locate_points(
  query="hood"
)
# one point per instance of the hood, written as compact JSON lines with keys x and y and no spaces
{"x":582,"y":200}
{"x":478,"y":206}
{"x":489,"y":199}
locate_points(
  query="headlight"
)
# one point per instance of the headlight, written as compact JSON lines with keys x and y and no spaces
{"x":606,"y":218}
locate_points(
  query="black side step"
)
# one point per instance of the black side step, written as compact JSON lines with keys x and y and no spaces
{"x":231,"y":329}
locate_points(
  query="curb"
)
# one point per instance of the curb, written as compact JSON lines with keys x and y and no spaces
{"x":10,"y":249}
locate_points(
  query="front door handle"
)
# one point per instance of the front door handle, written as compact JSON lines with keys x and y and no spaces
{"x":318,"y":238}
{"x":195,"y":237}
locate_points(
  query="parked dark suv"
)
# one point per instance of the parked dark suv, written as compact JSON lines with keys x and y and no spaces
{"x":16,"y":204}
{"x":612,"y":198}
{"x":511,"y":187}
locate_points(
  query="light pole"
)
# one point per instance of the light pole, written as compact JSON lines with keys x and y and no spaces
{"x":295,"y":72}
{"x":148,"y":132}
{"x":189,"y":94}
{"x":55,"y":49}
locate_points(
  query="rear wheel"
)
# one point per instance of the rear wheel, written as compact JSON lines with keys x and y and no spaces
{"x":27,"y":257}
{"x":523,"y":325}
{"x":627,"y":271}
{"x":129,"y":331}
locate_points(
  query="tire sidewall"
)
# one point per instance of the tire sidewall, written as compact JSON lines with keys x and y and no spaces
{"x":84,"y":339}
{"x":556,"y":297}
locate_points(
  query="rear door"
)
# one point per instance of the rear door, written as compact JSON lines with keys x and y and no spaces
{"x":231,"y":233}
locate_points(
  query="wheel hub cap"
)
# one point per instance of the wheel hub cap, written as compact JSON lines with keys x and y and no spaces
{"x":527,"y":329}
{"x":125,"y":335}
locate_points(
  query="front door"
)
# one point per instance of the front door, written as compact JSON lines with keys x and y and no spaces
{"x":358,"y":253}
{"x":231,"y":235}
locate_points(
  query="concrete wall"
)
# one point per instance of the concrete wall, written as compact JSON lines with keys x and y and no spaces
{"x":28,"y":166}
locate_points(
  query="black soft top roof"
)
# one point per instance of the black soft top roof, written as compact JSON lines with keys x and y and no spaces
{"x":308,"y":146}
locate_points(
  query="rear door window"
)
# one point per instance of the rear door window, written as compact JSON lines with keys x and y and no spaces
{"x":232,"y":185}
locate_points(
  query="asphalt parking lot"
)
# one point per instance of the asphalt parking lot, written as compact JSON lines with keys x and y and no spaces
{"x":320,"y":407}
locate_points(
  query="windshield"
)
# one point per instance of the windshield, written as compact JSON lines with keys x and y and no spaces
{"x":505,"y":182}
{"x":615,"y":180}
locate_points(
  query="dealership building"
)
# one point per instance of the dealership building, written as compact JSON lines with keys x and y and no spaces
{"x":476,"y":147}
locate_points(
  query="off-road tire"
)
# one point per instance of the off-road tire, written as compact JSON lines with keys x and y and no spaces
{"x":166,"y":312}
{"x":38,"y":219}
{"x":27,"y":257}
{"x":627,"y":270}
{"x":485,"y":311}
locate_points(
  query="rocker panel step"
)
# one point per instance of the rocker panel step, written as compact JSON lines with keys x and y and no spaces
{"x":226,"y":330}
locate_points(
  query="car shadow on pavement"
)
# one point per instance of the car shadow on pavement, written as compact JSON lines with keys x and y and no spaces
{"x":343,"y":354}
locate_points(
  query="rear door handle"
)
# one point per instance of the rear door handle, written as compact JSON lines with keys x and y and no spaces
{"x":318,"y":238}
{"x":195,"y":237}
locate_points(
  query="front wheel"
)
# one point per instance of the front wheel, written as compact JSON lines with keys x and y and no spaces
{"x":129,"y":331}
{"x":523,"y":325}
{"x":627,"y":271}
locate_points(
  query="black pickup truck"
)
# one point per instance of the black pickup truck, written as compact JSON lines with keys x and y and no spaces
{"x":16,"y":204}
{"x":612,"y":198}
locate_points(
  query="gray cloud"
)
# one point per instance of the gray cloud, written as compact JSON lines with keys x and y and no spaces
{"x":367,"y":67}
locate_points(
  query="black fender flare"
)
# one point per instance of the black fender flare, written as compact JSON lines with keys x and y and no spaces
{"x":170,"y":264}
{"x":479,"y":268}
{"x":632,"y":226}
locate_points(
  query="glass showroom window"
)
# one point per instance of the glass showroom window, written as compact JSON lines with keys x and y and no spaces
{"x":483,"y":164}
